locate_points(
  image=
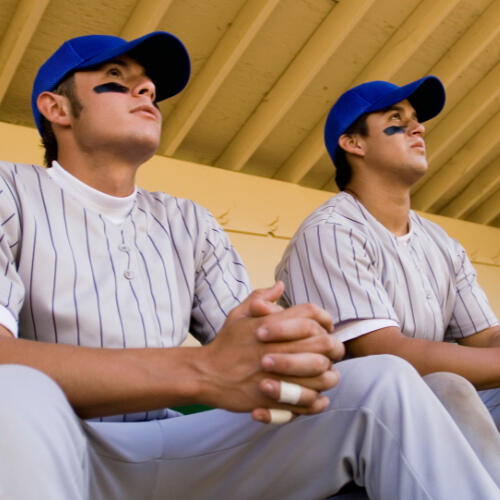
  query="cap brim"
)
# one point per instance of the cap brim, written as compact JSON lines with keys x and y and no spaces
{"x":426,"y":95}
{"x":164,"y":57}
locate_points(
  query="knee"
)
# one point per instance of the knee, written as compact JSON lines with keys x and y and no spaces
{"x":25,"y":391}
{"x":34,"y":408}
{"x":381,"y":376}
{"x":452,"y":389}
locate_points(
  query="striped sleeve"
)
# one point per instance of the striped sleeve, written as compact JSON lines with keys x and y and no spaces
{"x":330,"y":265}
{"x":221,"y":281}
{"x":472,"y":312}
{"x":11,"y":286}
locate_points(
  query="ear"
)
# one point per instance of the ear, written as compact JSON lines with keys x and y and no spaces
{"x":352,"y":144}
{"x":55,"y":108}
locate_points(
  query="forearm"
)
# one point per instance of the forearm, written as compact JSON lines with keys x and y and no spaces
{"x":480,"y":365}
{"x":99,"y":382}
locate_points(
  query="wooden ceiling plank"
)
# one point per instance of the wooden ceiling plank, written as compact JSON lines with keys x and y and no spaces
{"x":145,"y":18}
{"x":467,"y":48}
{"x":407,"y":40}
{"x":462,"y":166}
{"x":310,"y":60}
{"x":201,"y":90}
{"x":403,"y":43}
{"x":476,"y":192}
{"x":17,"y":37}
{"x":488,"y":211}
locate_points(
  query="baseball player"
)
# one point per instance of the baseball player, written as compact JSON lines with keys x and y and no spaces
{"x":102,"y":281}
{"x":394,"y":282}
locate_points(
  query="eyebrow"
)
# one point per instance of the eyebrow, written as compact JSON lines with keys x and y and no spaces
{"x":395,"y":107}
{"x":117,"y":61}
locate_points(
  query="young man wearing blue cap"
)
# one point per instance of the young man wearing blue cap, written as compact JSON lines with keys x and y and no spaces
{"x":394,"y":282}
{"x":101,"y":283}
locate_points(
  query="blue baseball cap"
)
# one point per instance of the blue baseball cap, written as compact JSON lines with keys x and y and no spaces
{"x":426,"y":95}
{"x":163,"y":56}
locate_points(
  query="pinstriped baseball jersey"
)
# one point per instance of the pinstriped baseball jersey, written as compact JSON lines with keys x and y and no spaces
{"x":343,"y":259}
{"x":73,"y":275}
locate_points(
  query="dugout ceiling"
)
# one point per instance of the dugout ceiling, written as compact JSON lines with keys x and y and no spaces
{"x":265,"y":73}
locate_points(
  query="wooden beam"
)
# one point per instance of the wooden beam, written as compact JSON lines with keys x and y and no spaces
{"x":201,"y":90}
{"x":488,"y":211}
{"x":467,"y":48}
{"x":145,"y":18}
{"x":314,"y":55}
{"x":475,"y":193}
{"x":401,"y":46}
{"x":462,"y":167}
{"x":17,"y":37}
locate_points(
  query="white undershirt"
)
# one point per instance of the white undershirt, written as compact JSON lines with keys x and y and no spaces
{"x":115,"y":208}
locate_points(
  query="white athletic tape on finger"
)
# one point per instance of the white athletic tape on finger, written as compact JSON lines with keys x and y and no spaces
{"x":289,"y":393}
{"x":280,"y":416}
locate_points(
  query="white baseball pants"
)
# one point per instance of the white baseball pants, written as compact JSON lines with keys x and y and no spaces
{"x":384,"y":429}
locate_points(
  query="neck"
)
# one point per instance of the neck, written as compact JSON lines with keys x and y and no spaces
{"x":388,"y":204}
{"x":106,"y":173}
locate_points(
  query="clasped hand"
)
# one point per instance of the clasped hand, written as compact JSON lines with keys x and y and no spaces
{"x":262,"y":344}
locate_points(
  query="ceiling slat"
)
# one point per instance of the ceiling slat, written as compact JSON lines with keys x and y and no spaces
{"x":468,"y":47}
{"x":227,"y":53}
{"x":460,"y":169}
{"x":314,"y":55}
{"x":404,"y":42}
{"x":145,"y":18}
{"x":17,"y":37}
{"x":476,"y":192}
{"x":488,"y":211}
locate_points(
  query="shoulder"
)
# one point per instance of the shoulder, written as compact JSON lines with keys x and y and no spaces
{"x":179,"y":213}
{"x":341,"y":210}
{"x":19,"y":181}
{"x":435,"y":232}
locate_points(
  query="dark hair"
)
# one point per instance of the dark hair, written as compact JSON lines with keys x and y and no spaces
{"x":66,"y":88}
{"x":343,"y":170}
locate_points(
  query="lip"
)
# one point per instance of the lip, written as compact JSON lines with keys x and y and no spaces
{"x":146,"y":110}
{"x":418,"y":145}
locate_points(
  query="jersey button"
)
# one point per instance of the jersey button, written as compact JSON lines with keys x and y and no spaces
{"x":124,"y":248}
{"x":128,"y":274}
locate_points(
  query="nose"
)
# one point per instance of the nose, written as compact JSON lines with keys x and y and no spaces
{"x":145,"y":87}
{"x":416,"y":128}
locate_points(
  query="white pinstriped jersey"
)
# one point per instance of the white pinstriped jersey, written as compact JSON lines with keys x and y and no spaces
{"x":72,"y":275}
{"x":343,"y":259}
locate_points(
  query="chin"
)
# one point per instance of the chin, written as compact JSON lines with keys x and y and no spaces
{"x":140,"y":149}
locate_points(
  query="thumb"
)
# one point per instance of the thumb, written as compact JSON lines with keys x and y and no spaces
{"x":255,"y":304}
{"x":270,"y":294}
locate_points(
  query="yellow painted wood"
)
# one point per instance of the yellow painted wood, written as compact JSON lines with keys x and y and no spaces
{"x":487,"y":212}
{"x":468,"y":47}
{"x":145,"y":18}
{"x":479,"y":190}
{"x":309,"y":61}
{"x":17,"y":37}
{"x":227,"y":53}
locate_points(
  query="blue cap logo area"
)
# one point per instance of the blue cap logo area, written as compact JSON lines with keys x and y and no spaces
{"x":426,"y":95}
{"x":163,"y":56}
